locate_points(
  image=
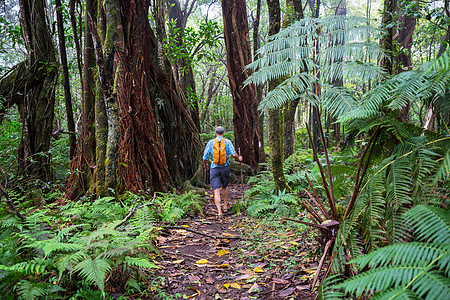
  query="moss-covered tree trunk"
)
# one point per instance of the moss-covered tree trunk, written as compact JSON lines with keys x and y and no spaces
{"x":388,"y":34}
{"x":36,"y":108}
{"x":275,"y":126}
{"x":245,"y":117}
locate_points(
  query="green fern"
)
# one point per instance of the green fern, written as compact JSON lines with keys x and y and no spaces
{"x":94,"y":271}
{"x":415,"y":270}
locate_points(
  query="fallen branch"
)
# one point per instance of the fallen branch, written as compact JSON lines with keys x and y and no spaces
{"x":204,"y":234}
{"x":134,"y":209}
{"x":306,"y":223}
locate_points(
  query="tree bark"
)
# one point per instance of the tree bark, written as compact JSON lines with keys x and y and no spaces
{"x":36,"y":108}
{"x":142,"y":161}
{"x":245,"y":118}
{"x":403,"y":62}
{"x":85,"y":166}
{"x":274,"y":124}
{"x":295,"y":13}
{"x":65,"y":69}
{"x":259,"y":89}
{"x":183,"y":68}
{"x":388,"y":35}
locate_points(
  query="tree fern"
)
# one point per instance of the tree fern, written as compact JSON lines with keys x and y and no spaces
{"x":291,"y":54}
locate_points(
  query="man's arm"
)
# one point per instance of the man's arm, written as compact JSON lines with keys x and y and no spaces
{"x":237,"y":157}
{"x":205,"y":164}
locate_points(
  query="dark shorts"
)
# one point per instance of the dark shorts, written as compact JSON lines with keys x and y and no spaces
{"x":219,"y":177}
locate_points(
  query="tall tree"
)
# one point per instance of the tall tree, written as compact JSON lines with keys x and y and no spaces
{"x":36,"y":107}
{"x":388,"y":34}
{"x":238,"y":48}
{"x":183,"y":68}
{"x":65,"y":71}
{"x":275,"y":125}
{"x":259,"y":89}
{"x":88,"y":157}
{"x":294,"y":13}
{"x":404,"y":38}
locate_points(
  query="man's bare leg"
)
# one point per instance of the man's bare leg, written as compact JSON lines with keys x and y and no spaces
{"x":225,"y":198}
{"x":217,"y":201}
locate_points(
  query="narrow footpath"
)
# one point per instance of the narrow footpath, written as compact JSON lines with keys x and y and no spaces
{"x":234,"y":257}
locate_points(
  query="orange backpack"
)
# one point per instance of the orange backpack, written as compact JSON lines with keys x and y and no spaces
{"x":220,"y":152}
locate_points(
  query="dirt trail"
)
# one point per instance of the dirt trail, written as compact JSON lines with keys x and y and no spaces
{"x":220,"y":263}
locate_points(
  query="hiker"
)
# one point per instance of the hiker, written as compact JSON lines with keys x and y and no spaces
{"x":220,"y":149}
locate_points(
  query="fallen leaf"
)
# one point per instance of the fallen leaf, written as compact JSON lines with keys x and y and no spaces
{"x":209,"y":280}
{"x":254,"y":288}
{"x":222,"y":252}
{"x":279,"y":280}
{"x":286,"y":292}
{"x":201,"y":261}
{"x":258,"y":270}
{"x":223,"y":265}
{"x":245,"y":277}
{"x":177,"y":261}
{"x":293,"y":243}
{"x":229,"y":234}
{"x":222,"y":291}
{"x":181,"y":231}
{"x":302,"y":287}
{"x":235,"y":285}
{"x":186,"y":226}
{"x":193,"y":278}
{"x":226,"y":285}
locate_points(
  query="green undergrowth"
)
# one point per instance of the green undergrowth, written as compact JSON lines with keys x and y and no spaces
{"x":86,"y":249}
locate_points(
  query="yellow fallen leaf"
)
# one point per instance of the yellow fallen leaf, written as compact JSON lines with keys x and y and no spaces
{"x":186,"y":226}
{"x":235,"y":285}
{"x":223,"y":265}
{"x":258,"y":270}
{"x":178,"y":261}
{"x":228,"y":234}
{"x":202,"y":261}
{"x":293,"y":243}
{"x":226,"y":285}
{"x":222,"y":252}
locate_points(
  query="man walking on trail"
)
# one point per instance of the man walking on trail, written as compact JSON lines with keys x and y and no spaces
{"x":220,"y":149}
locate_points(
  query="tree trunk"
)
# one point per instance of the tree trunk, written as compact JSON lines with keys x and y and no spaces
{"x":274,"y":124}
{"x":183,"y":69}
{"x":245,"y":118}
{"x":65,"y":69}
{"x":388,"y":35}
{"x":430,"y":118}
{"x":295,"y":13}
{"x":403,"y":62}
{"x":259,"y":89}
{"x":142,"y":161}
{"x":86,"y":161}
{"x":36,"y":109}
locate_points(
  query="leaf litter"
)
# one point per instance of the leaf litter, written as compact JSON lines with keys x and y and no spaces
{"x":256,"y":262}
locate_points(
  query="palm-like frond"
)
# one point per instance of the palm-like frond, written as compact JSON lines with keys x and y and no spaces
{"x":344,"y":53}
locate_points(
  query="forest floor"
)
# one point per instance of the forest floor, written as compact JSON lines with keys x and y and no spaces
{"x":235,"y":257}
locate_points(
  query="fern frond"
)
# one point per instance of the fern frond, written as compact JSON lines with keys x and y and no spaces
{"x":139,"y":262}
{"x":94,"y":271}
{"x":30,"y":291}
{"x":432,"y":223}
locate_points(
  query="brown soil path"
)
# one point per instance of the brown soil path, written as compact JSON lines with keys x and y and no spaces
{"x":221,"y":263}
